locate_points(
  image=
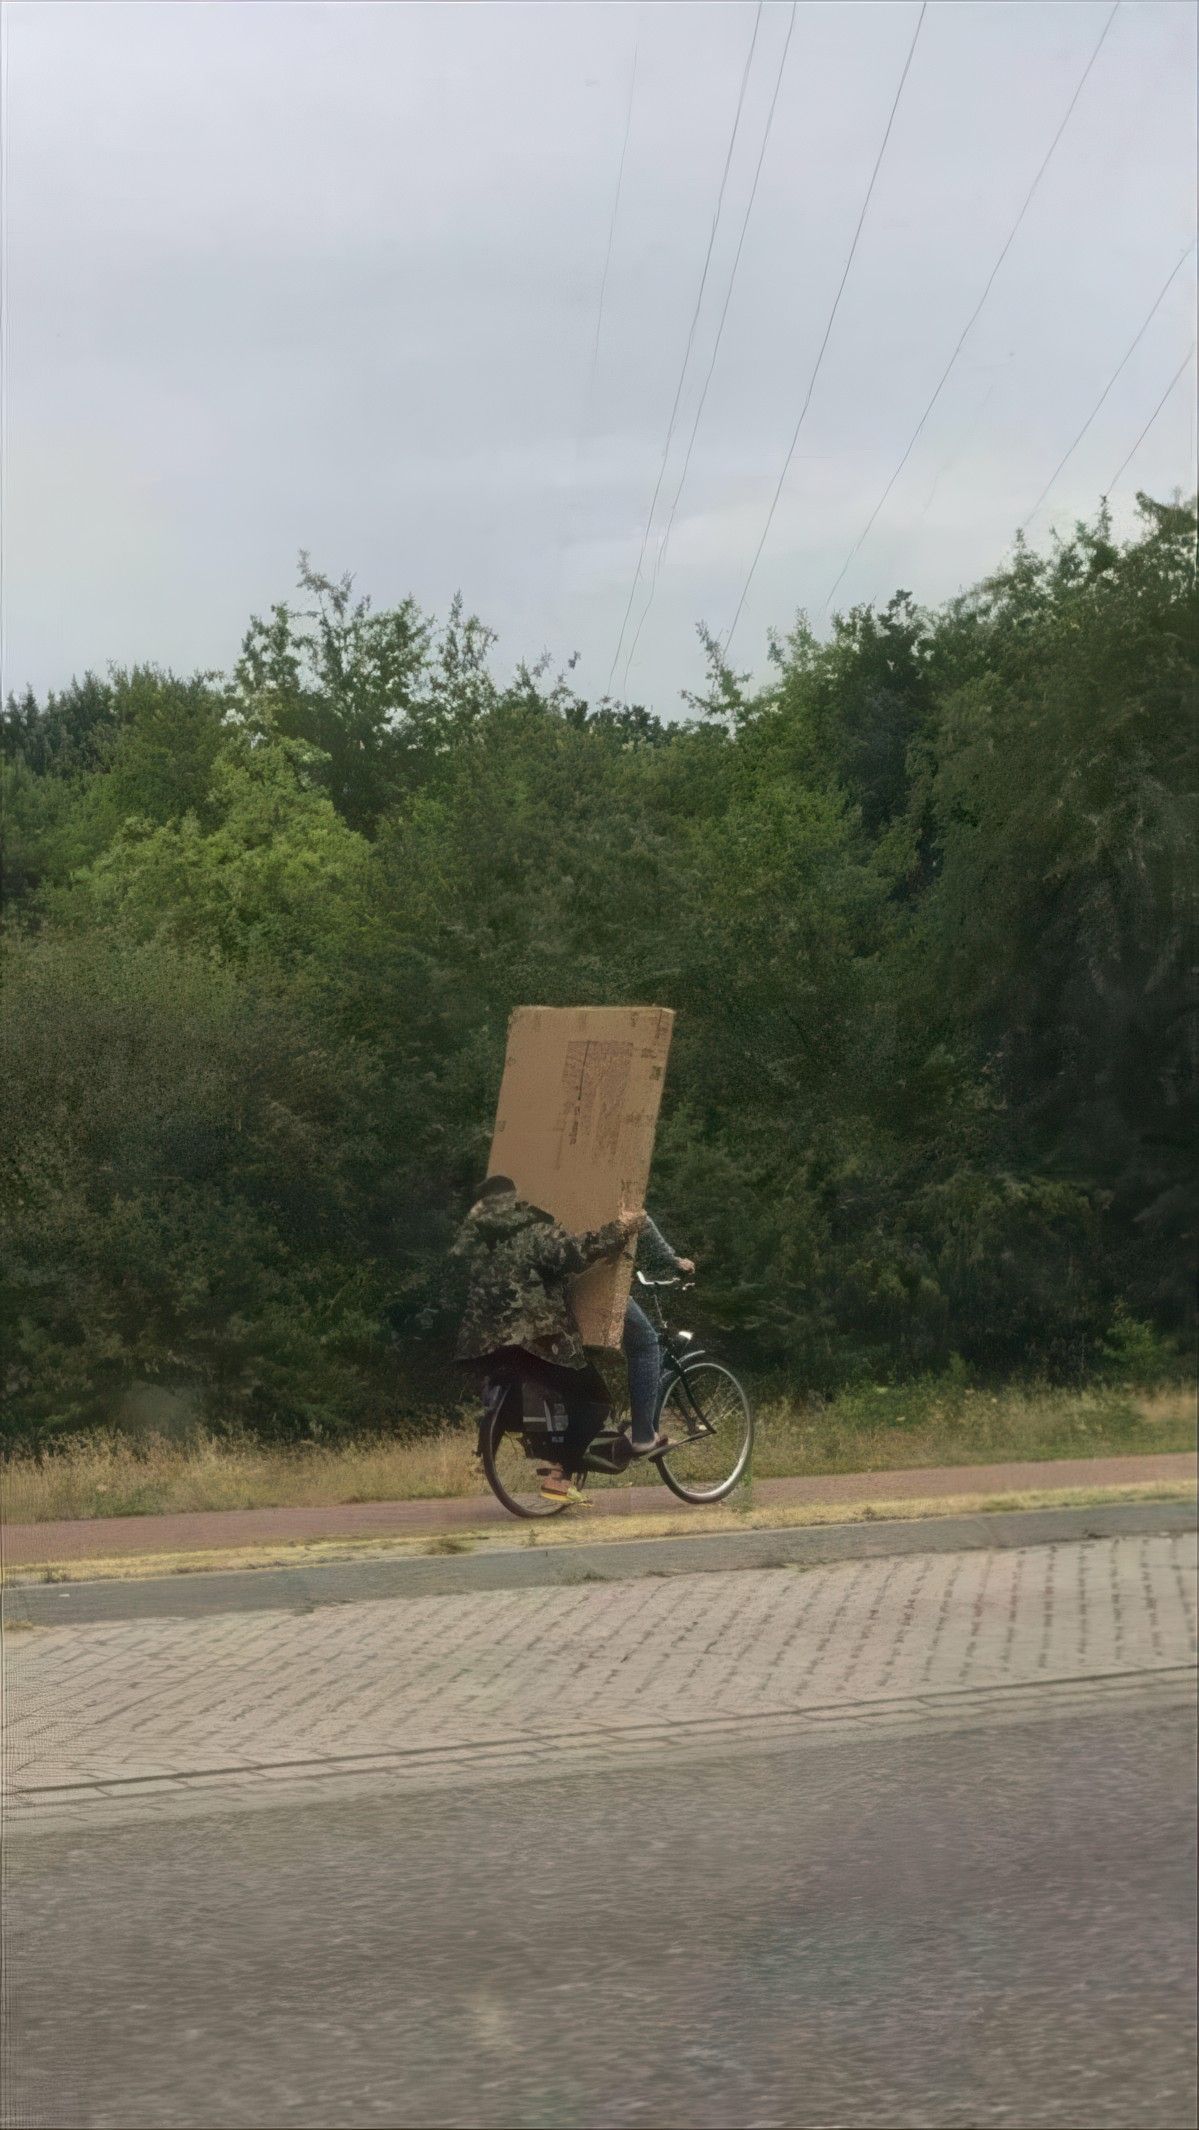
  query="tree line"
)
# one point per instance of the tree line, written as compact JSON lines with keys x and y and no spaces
{"x":922,"y":904}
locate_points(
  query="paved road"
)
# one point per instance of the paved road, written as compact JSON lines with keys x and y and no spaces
{"x":890,"y":1842}
{"x":992,"y":1927}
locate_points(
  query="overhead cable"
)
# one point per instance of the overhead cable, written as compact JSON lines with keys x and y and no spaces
{"x":703,"y":282}
{"x":1129,"y":352}
{"x":1009,"y":240}
{"x":1127,"y":461}
{"x":728,"y":297}
{"x":603,"y":288}
{"x":791,"y":448}
{"x":567,"y":515}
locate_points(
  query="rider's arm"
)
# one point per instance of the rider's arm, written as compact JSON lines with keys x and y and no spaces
{"x":607,"y":1241}
{"x":654,"y":1251}
{"x":562,"y":1254}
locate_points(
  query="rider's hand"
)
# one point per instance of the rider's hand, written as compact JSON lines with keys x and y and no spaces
{"x":686,"y":1264}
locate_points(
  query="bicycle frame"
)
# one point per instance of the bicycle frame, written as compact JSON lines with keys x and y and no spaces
{"x":676,"y":1355}
{"x":611,"y":1451}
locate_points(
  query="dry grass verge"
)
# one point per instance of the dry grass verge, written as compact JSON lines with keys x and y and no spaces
{"x":863,"y":1431}
{"x":110,"y":1476}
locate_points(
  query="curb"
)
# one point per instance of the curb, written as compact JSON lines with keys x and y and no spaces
{"x":303,"y":1589}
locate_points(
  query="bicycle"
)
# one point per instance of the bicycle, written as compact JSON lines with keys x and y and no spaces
{"x":698,"y":1396}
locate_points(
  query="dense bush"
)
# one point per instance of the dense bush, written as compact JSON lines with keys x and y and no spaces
{"x":921,"y":904}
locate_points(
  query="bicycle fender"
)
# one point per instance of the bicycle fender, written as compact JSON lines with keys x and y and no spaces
{"x":495,"y":1396}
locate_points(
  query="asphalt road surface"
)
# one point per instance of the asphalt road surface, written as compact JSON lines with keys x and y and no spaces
{"x":993,"y":1925}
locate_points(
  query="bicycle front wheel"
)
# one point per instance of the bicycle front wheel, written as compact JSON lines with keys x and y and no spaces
{"x":708,"y":1413}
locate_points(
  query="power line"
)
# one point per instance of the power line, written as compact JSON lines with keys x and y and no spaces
{"x":955,"y":450}
{"x":624,"y":149}
{"x":1121,"y":365}
{"x":827,"y":331}
{"x":703,"y":282}
{"x":1153,"y":417}
{"x":728,"y":297}
{"x":967,"y":328}
{"x":566,"y":517}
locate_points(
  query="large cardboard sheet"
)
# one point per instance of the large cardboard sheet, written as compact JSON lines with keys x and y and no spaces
{"x":575,"y":1127}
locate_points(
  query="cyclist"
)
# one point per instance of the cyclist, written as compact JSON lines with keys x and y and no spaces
{"x":518,"y":1318}
{"x":641,"y":1348}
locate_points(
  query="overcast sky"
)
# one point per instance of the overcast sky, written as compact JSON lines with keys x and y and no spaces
{"x":283,"y":275}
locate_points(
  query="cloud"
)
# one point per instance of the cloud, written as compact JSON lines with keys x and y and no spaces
{"x":328,"y":276}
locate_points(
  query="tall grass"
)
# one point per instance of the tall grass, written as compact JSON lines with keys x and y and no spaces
{"x":112,"y":1475}
{"x":935,"y":1422}
{"x":884,"y":1429}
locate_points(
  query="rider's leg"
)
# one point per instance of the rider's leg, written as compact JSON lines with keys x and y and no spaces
{"x":644,"y":1356}
{"x":588,"y":1406}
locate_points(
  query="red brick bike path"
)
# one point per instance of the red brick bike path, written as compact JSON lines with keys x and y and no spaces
{"x":111,"y":1537}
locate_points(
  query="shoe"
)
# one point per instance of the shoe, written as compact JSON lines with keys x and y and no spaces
{"x":652,"y":1449}
{"x":560,"y":1490}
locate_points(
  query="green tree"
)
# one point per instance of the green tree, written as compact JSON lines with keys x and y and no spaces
{"x":922,"y":903}
{"x":375,"y":693}
{"x":1062,"y":785}
{"x":140,"y":746}
{"x":263,"y":872}
{"x":189,"y":1194}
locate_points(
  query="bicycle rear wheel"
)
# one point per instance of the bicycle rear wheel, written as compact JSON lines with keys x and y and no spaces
{"x":511,"y":1473}
{"x":708,"y":1413}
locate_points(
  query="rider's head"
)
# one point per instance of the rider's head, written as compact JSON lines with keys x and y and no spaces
{"x":493,"y":1187}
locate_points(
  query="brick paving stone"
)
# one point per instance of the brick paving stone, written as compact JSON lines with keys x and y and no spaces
{"x":528,"y":1672}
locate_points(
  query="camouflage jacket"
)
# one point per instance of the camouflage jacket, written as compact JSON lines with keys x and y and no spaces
{"x":519,"y":1263}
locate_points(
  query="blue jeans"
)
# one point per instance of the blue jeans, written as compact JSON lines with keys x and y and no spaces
{"x":644,"y":1356}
